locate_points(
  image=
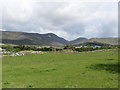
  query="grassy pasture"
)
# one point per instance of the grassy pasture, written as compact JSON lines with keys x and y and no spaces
{"x":62,"y":70}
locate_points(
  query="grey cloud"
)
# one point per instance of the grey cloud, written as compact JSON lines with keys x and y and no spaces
{"x":68,"y":20}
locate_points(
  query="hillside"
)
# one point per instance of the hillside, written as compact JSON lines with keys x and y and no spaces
{"x":112,"y":41}
{"x":99,"y":42}
{"x":92,"y":44}
{"x":78,"y":40}
{"x":49,"y":39}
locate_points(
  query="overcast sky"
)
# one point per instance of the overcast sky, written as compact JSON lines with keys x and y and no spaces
{"x":69,"y":20}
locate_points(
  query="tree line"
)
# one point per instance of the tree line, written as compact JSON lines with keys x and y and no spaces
{"x":18,"y":48}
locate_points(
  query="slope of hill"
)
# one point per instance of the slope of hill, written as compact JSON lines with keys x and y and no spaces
{"x":99,"y":42}
{"x":78,"y":40}
{"x":112,"y":41}
{"x":92,"y":44}
{"x":49,"y":39}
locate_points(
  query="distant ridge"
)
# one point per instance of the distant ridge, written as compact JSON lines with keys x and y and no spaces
{"x":22,"y":38}
{"x":78,"y":40}
{"x":49,"y":39}
{"x":92,"y":44}
{"x":112,"y":41}
{"x":99,"y":41}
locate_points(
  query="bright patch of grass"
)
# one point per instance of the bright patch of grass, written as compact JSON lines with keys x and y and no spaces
{"x":60,"y":70}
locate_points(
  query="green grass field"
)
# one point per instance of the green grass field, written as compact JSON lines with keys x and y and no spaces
{"x":60,"y":70}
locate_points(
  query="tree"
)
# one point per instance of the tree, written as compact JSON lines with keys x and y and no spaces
{"x":9,"y":48}
{"x":69,"y":47}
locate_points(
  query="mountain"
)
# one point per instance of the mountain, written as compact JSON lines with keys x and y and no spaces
{"x":48,"y":39}
{"x":78,"y":40}
{"x":112,"y":41}
{"x":92,"y":44}
{"x":99,"y":42}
